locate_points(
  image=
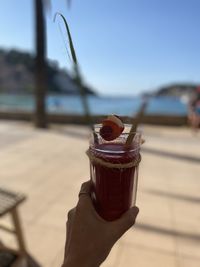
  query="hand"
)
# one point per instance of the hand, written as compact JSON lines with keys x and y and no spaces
{"x":89,"y":237}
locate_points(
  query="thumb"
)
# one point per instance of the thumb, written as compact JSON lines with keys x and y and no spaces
{"x":126,"y":221}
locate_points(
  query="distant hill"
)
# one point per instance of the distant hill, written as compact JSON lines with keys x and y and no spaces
{"x":178,"y":90}
{"x":185,"y":90}
{"x":17,"y":75}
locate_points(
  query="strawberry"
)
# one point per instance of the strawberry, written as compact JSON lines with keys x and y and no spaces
{"x":116,"y":120}
{"x":112,"y":128}
{"x":106,"y":132}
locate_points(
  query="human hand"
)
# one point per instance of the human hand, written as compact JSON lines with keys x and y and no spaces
{"x":89,"y":237}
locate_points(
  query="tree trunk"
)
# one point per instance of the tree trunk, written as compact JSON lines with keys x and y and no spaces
{"x":40,"y":66}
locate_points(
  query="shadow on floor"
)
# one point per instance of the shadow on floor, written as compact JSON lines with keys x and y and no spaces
{"x":72,"y":133}
{"x":173,"y":155}
{"x":191,"y":199}
{"x":167,"y":154}
{"x":32,"y":262}
{"x":168,"y":232}
{"x":8,"y":259}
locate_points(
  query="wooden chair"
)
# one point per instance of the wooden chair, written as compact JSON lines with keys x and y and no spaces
{"x":9,"y":203}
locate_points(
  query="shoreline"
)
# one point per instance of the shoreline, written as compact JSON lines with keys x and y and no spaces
{"x":153,"y":119}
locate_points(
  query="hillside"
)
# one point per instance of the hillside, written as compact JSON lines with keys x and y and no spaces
{"x":181,"y":90}
{"x":17,"y":75}
{"x":178,"y":90}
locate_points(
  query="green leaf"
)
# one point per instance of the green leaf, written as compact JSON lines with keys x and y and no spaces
{"x":78,"y":78}
{"x":73,"y":53}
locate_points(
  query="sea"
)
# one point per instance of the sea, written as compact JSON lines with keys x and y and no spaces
{"x":103,"y":105}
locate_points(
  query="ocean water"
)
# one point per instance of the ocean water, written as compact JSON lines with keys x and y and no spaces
{"x":98,"y":105}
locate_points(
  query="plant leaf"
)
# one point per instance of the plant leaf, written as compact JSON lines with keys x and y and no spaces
{"x":78,"y":78}
{"x":73,"y":53}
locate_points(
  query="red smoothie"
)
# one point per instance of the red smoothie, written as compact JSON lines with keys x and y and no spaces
{"x":112,"y":189}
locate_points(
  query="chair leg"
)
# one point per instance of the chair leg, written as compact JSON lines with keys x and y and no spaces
{"x":18,"y":230}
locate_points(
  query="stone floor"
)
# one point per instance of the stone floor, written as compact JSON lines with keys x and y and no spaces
{"x":49,"y":167}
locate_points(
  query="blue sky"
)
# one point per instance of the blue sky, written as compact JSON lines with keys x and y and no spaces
{"x":124,"y":47}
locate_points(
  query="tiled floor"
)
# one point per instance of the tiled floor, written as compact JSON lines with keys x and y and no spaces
{"x":49,"y":167}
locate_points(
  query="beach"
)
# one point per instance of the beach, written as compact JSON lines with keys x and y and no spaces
{"x":50,"y":165}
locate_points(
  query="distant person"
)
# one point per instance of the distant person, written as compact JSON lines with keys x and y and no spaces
{"x":89,"y":237}
{"x":194,"y":110}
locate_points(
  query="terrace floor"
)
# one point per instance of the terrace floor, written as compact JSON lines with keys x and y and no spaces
{"x":49,"y":166}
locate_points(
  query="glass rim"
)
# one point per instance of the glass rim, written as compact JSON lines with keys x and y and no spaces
{"x":126,"y":125}
{"x":119,"y":152}
{"x":122,"y":150}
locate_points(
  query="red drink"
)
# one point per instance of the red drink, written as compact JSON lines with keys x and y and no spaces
{"x":114,"y":186}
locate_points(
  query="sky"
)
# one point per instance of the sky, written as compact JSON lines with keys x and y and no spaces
{"x":123,"y":47}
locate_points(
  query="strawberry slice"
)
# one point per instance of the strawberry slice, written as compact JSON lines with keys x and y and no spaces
{"x":116,"y":119}
{"x":112,"y":128}
{"x":106,"y":132}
